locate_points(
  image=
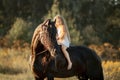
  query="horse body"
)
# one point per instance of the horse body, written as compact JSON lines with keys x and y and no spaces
{"x":86,"y":64}
{"x":47,"y":59}
{"x":78,"y":63}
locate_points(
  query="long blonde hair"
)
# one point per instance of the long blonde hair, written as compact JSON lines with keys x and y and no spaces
{"x":64,"y":23}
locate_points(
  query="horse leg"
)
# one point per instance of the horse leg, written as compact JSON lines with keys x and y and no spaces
{"x":97,"y":75}
{"x":82,"y":77}
{"x":96,"y":78}
{"x":37,"y":78}
{"x":50,"y":77}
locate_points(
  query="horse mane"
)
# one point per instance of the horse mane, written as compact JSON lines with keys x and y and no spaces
{"x":35,"y":37}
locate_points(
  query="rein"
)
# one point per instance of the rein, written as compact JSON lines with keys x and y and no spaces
{"x":41,"y":52}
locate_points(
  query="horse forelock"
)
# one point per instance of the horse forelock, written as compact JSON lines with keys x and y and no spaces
{"x":46,"y":22}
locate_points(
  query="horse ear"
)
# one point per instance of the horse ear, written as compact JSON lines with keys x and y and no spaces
{"x":54,"y":21}
{"x":48,"y":22}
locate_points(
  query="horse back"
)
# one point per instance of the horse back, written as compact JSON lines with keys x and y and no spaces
{"x":83,"y":59}
{"x":84,"y":52}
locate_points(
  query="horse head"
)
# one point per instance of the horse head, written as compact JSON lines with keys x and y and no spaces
{"x":44,"y":38}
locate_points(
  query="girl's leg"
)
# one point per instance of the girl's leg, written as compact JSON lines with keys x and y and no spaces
{"x":66,"y":54}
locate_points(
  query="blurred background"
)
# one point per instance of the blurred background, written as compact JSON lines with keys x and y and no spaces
{"x":92,"y":23}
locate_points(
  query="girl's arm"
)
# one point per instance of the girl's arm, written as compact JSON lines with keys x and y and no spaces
{"x":62,"y":32}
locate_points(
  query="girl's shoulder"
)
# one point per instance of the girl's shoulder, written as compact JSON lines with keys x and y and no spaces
{"x":62,"y":26}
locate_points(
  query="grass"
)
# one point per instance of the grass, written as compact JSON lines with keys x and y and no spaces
{"x":14,"y":66}
{"x":111,"y":70}
{"x":22,"y":76}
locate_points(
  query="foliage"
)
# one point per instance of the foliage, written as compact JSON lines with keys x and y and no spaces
{"x":111,"y":70}
{"x":26,"y":9}
{"x":21,"y":30}
{"x":106,"y":51}
{"x":89,"y":21}
{"x":14,"y":64}
{"x":90,"y":35}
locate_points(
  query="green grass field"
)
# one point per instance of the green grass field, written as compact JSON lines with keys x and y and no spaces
{"x":14,"y":66}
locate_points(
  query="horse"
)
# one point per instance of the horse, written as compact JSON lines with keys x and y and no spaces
{"x":48,"y":61}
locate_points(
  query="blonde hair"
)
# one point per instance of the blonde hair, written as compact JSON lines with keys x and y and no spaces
{"x":64,"y":23}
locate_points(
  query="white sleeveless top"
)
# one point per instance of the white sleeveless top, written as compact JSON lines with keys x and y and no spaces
{"x":65,"y":41}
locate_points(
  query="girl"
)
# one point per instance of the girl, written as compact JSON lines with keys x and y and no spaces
{"x":63,"y":37}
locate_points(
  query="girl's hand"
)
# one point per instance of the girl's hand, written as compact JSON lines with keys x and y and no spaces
{"x":57,"y":38}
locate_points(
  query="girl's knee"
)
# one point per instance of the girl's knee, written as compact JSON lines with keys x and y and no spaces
{"x":64,"y":47}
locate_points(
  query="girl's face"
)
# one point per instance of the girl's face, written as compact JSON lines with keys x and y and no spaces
{"x":58,"y":21}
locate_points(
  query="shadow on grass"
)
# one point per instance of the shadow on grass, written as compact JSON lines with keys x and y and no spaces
{"x":11,"y":71}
